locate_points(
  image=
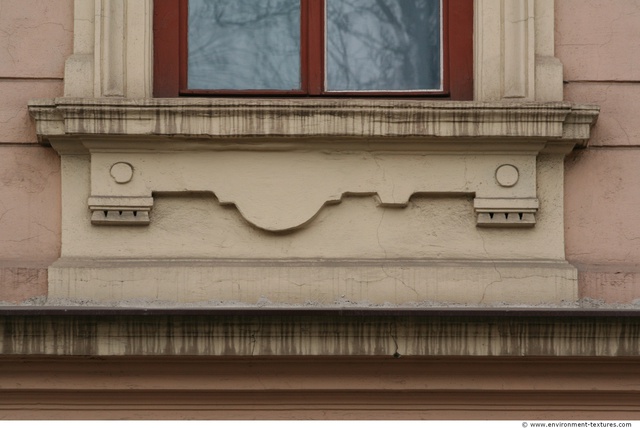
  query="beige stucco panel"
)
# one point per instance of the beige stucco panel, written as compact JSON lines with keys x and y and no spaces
{"x":16,"y":126}
{"x":198,"y":226}
{"x":602,"y":203}
{"x":219,"y":284}
{"x":183,"y":255}
{"x":597,"y":39}
{"x":280,"y":191}
{"x":36,"y":36}
{"x":618,"y":123}
{"x":29,"y":204}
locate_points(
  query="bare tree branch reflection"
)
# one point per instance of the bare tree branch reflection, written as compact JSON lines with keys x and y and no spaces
{"x":371,"y":44}
{"x":244,"y":44}
{"x":383,"y":44}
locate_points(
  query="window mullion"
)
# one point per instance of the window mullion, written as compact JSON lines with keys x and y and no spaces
{"x":314,"y":34}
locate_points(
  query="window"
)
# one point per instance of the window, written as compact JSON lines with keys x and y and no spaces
{"x":313,"y":47}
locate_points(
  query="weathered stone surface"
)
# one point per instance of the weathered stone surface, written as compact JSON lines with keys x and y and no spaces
{"x":360,"y":334}
{"x":324,"y":283}
{"x":317,"y":118}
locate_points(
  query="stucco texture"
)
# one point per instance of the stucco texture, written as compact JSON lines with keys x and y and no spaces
{"x":29,"y":204}
{"x":597,"y":41}
{"x":15,"y":124}
{"x":29,"y":220}
{"x":602,"y":206}
{"x":35,"y":37}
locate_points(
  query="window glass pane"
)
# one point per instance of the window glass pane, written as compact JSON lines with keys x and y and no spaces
{"x":244,"y":44}
{"x":383,"y":45}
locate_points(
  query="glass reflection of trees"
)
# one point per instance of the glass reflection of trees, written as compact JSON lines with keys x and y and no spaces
{"x":244,"y":44}
{"x":371,"y":45}
{"x":383,"y":45}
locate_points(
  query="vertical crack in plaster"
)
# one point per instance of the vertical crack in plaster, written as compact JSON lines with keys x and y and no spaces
{"x":5,"y":213}
{"x":467,"y":182}
{"x":380,"y":203}
{"x":384,"y":270}
{"x":495,"y":267}
{"x":378,"y":232}
{"x":624,"y":131}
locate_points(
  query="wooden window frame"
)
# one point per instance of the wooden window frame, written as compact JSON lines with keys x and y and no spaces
{"x":170,"y":54}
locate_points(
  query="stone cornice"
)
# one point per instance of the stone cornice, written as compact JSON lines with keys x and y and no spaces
{"x":313,"y":118}
{"x":443,"y":333}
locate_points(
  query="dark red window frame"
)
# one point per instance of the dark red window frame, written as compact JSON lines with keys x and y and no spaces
{"x":170,"y":53}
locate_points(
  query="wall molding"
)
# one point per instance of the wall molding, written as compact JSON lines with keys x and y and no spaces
{"x":391,"y":149}
{"x":280,"y":163}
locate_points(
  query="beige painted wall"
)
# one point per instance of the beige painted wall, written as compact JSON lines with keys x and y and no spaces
{"x":35,"y":39}
{"x":598,"y":42}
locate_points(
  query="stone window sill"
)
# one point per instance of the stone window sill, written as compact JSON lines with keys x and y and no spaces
{"x":553,"y":122}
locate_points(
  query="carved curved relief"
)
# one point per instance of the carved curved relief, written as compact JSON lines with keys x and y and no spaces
{"x":278,"y":191}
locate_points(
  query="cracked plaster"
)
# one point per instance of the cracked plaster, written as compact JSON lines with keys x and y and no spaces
{"x":36,"y":36}
{"x":597,"y":40}
{"x":29,"y":203}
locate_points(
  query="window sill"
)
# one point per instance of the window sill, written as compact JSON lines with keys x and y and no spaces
{"x":558,"y":124}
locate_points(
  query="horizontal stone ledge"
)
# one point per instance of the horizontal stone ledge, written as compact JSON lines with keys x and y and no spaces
{"x":313,"y":282}
{"x":282,"y":335}
{"x":62,"y":309}
{"x":373,"y":118}
{"x":124,"y":262}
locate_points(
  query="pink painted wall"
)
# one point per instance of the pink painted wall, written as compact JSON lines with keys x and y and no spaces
{"x":35,"y":38}
{"x":598,"y":42}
